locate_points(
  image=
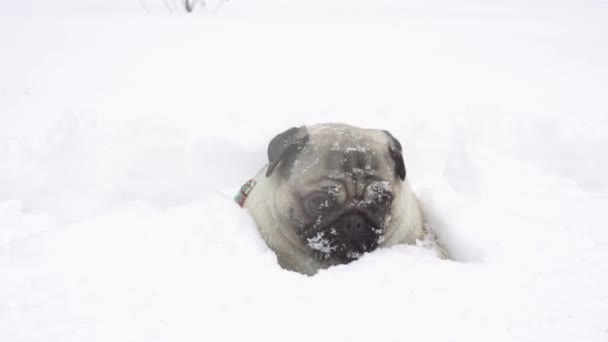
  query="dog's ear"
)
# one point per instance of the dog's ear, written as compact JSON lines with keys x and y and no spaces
{"x":285,"y":147}
{"x":396,"y":153}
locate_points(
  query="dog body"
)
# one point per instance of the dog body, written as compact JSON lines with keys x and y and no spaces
{"x":331,"y":193}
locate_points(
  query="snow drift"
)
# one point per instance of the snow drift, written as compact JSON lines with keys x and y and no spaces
{"x":124,"y":139}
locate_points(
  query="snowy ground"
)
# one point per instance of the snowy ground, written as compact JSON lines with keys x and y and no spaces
{"x":123,"y":139}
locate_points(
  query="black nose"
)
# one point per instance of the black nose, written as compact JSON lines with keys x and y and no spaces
{"x":353,"y":235}
{"x":354,"y":227}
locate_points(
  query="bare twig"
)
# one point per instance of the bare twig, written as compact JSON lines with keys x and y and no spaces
{"x":189,"y":5}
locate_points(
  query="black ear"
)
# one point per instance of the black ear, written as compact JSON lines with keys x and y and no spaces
{"x":396,"y":153}
{"x":285,"y":146}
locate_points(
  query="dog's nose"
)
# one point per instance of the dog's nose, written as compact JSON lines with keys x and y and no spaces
{"x":353,"y":235}
{"x":355,"y":227}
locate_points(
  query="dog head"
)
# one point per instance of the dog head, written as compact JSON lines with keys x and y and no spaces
{"x":335,"y":188}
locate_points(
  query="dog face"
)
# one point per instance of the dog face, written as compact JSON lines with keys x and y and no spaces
{"x":336,"y":186}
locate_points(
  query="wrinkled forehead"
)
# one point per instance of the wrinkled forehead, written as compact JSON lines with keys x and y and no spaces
{"x":359,"y":160}
{"x":340,"y":157}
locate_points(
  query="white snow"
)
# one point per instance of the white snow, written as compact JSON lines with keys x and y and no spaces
{"x":124,"y":137}
{"x":320,"y":243}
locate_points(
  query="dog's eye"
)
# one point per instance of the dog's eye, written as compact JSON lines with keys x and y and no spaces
{"x":378,"y":195}
{"x":318,"y":203}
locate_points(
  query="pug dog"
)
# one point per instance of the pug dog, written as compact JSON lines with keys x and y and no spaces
{"x":331,"y":193}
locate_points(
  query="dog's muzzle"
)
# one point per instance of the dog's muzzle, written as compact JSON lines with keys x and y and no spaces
{"x":345,"y":239}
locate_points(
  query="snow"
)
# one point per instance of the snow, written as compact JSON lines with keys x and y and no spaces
{"x":124,"y":138}
{"x":321,"y":244}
